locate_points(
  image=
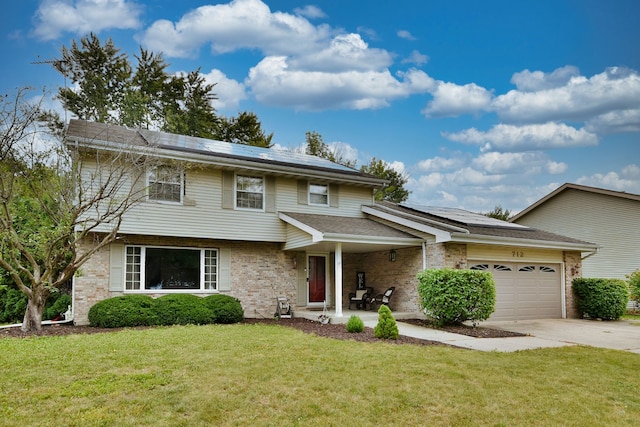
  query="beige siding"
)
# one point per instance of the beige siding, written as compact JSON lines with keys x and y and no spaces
{"x":609,"y":221}
{"x":512,"y":253}
{"x":202,"y":215}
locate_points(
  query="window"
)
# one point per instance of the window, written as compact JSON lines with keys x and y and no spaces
{"x":173,"y":269}
{"x":249,"y":192}
{"x":165,"y":184}
{"x":319,"y":194}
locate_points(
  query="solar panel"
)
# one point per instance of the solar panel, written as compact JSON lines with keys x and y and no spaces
{"x":240,"y":150}
{"x":464,"y":217}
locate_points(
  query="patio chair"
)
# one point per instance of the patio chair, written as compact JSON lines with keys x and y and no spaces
{"x":382,"y":299}
{"x":360,"y":298}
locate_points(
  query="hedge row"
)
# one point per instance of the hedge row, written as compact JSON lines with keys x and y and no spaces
{"x":174,"y":309}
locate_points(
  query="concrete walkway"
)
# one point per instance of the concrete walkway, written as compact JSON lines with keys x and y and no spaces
{"x":619,"y":335}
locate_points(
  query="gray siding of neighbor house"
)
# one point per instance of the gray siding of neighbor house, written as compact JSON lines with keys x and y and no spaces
{"x":609,"y":221}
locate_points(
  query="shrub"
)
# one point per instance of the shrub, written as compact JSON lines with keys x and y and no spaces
{"x":56,"y":305}
{"x":182,"y":309}
{"x":13,"y":304}
{"x":224,"y":308}
{"x":123,"y":311}
{"x":634,"y":285}
{"x":450,"y":296}
{"x":355,"y":324}
{"x":386,"y":328}
{"x":601,"y":298}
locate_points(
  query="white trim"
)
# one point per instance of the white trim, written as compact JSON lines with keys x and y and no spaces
{"x":160,"y":201}
{"x":143,"y":260}
{"x":235,"y":191}
{"x":326,"y":186}
{"x":440,"y":235}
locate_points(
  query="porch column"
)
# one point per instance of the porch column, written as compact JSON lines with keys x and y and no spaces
{"x":338,"y":279}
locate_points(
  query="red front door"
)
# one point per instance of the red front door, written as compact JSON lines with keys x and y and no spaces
{"x":317,"y":278}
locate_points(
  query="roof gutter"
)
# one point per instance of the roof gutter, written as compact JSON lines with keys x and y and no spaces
{"x":529,"y":243}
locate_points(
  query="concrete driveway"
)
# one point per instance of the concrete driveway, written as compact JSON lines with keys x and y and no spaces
{"x":617,"y":335}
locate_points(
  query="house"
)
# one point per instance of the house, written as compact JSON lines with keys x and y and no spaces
{"x":609,"y":218}
{"x":259,"y":224}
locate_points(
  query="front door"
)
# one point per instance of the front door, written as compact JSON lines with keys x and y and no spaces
{"x":317,"y":278}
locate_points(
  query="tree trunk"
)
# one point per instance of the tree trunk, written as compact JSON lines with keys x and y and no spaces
{"x":32,"y":321}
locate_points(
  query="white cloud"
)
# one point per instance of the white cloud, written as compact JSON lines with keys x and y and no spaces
{"x":404,"y":34}
{"x":628,"y":179}
{"x":526,"y":163}
{"x":437,"y":164}
{"x":273,"y":83}
{"x":524,"y":138}
{"x":240,"y":24}
{"x":615,"y":122}
{"x":450,"y":99}
{"x":310,"y":11}
{"x":533,"y":81}
{"x":229,"y":92}
{"x":345,"y":52}
{"x":416,"y":58}
{"x":579,"y":99}
{"x":80,"y":17}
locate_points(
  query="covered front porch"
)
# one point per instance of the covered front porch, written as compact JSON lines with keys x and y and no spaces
{"x":335,"y":254}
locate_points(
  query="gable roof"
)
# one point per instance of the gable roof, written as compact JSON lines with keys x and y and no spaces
{"x":220,"y":153}
{"x":569,"y":186}
{"x":355,"y":233}
{"x":457,"y":225}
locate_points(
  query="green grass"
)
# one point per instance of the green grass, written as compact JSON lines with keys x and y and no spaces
{"x":259,"y":375}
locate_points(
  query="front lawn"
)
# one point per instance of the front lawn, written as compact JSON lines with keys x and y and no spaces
{"x":261,"y":375}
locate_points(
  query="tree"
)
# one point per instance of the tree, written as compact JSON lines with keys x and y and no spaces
{"x":244,"y":129}
{"x":499,"y":213}
{"x":49,"y":203}
{"x":102,"y":75}
{"x":316,"y":146}
{"x":394,"y":191}
{"x":109,"y":90}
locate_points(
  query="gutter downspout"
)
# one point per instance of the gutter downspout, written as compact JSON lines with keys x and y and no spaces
{"x":591,"y":254}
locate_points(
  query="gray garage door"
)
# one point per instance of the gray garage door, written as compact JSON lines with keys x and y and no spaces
{"x":525,"y":290}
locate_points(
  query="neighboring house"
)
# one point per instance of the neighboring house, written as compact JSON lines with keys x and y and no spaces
{"x":260,"y":223}
{"x":608,"y":218}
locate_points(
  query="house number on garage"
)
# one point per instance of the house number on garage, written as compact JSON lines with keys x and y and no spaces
{"x":517,"y":254}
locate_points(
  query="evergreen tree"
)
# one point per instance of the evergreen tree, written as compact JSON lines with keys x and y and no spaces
{"x":394,"y":191}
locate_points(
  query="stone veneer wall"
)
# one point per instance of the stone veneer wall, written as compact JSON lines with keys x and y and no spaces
{"x":380,"y":273}
{"x":572,"y":270}
{"x":259,"y":272}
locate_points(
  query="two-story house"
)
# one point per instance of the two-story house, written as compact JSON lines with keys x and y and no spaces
{"x":260,"y":223}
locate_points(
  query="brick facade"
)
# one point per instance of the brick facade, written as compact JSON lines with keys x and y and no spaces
{"x":259,"y":272}
{"x":262,"y":271}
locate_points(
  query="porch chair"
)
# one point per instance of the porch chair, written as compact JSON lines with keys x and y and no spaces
{"x":360,"y":298}
{"x":382,"y":299}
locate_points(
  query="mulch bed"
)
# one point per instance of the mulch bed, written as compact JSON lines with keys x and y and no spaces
{"x":336,"y":331}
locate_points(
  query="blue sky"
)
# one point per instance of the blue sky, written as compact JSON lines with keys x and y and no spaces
{"x":480,"y":103}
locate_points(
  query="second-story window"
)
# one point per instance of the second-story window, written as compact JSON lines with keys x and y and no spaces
{"x":319,"y":194}
{"x":249,"y":192}
{"x":166,"y":184}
